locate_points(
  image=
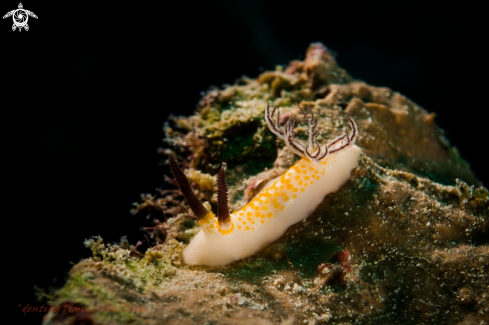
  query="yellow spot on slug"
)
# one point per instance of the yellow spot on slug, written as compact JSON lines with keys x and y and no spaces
{"x":239,"y":227}
{"x":276,"y":205}
{"x":302,"y":189}
{"x":294,"y":196}
{"x":286,"y":198}
{"x":265,"y":207}
{"x":249,"y":214}
{"x":247,"y":228}
{"x":294,"y":190}
{"x":275,"y":194}
{"x":258,"y":214}
{"x":257,"y":208}
{"x":306,"y":178}
{"x":290,"y":186}
{"x":249,"y":218}
{"x":300,"y":182}
{"x":263,"y":221}
{"x":269,"y":214}
{"x":297,"y":177}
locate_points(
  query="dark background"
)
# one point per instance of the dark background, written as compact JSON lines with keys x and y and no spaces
{"x":86,"y":91}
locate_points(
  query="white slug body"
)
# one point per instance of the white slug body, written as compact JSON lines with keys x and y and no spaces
{"x":285,"y":201}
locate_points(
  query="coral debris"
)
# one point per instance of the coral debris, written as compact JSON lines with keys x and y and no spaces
{"x":413,"y":218}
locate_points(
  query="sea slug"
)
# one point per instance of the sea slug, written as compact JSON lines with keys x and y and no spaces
{"x":283,"y":202}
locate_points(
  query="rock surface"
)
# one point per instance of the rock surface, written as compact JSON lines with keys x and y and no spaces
{"x":404,"y":241}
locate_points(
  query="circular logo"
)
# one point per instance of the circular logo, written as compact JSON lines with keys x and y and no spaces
{"x":20,"y":17}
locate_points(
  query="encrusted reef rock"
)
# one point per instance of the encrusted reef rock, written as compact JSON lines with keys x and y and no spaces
{"x":404,"y":241}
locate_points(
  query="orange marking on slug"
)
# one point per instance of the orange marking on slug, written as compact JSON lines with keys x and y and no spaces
{"x":226,"y":231}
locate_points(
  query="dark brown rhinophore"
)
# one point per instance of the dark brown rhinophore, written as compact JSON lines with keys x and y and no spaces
{"x":197,"y":208}
{"x":222,"y":198}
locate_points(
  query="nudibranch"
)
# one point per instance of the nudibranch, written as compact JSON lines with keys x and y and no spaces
{"x":283,"y":202}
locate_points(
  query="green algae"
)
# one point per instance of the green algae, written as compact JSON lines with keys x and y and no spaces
{"x":80,"y":288}
{"x":141,"y":273}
